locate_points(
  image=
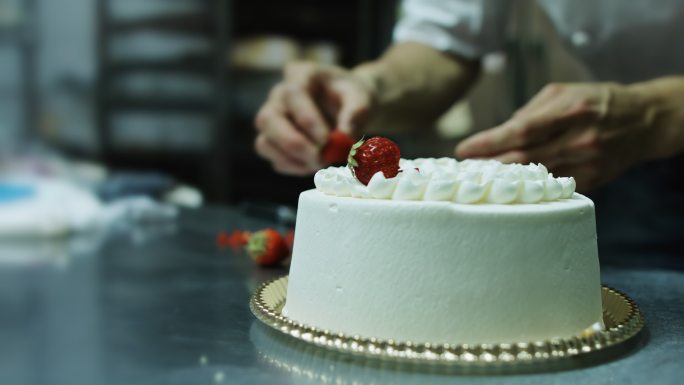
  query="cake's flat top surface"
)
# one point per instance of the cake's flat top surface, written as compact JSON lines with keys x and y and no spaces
{"x":446,"y":179}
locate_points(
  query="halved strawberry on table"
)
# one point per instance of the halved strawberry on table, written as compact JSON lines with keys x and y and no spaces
{"x":369,"y":156}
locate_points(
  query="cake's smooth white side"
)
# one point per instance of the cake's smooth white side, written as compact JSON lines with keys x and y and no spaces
{"x":445,"y":272}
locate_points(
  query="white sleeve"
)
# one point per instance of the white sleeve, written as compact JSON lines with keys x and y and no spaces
{"x":467,"y":28}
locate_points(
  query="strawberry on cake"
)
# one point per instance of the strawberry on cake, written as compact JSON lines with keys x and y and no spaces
{"x":442,"y":251}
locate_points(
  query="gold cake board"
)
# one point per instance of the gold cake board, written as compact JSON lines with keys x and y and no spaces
{"x":622,"y":318}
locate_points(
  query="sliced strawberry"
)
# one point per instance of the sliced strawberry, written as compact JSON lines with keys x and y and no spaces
{"x":236,"y":239}
{"x":367,"y":157}
{"x":337,"y":148}
{"x":267,"y":247}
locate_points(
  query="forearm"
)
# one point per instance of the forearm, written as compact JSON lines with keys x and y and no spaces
{"x":664,"y":114}
{"x":413,"y":84}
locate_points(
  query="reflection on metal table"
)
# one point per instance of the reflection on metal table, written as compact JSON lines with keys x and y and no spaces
{"x":168,"y":307}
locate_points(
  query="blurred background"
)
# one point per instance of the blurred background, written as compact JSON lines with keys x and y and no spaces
{"x":159,"y":92}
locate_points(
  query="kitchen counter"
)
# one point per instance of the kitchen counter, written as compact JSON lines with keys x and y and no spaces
{"x":163,"y":305}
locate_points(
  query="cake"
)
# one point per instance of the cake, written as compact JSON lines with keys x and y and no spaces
{"x":446,"y":252}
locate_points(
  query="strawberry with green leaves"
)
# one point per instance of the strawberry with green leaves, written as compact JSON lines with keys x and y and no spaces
{"x":376,"y":154}
{"x":267,"y":247}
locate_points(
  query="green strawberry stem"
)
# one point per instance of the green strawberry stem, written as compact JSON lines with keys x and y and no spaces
{"x":350,"y":159}
{"x":257,"y":244}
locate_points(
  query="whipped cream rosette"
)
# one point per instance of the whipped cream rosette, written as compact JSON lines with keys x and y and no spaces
{"x":446,"y":179}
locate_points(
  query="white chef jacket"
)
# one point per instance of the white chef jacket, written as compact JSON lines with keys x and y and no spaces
{"x":618,"y":40}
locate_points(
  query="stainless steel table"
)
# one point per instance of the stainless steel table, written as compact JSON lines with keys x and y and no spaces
{"x":165,"y":306}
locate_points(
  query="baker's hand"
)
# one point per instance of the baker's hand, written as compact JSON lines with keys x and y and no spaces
{"x":593,"y":132}
{"x":312,"y":99}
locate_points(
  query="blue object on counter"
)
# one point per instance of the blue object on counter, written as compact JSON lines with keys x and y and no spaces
{"x":10,"y":192}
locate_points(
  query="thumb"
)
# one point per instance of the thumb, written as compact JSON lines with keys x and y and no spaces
{"x":354,"y":108}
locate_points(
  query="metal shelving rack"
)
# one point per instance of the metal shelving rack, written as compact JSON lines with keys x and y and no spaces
{"x":24,"y":37}
{"x":209,"y":167}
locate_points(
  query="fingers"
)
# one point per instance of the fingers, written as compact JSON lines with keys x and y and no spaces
{"x":290,"y":124}
{"x":547,"y":93}
{"x":307,"y":75}
{"x":345,"y":98}
{"x":569,"y":128}
{"x":355,"y":105}
{"x":305,"y":114}
{"x":505,"y":137}
{"x":522,"y":130}
{"x":273,"y":125}
{"x":280,"y":160}
{"x":569,"y":148}
{"x":294,"y":123}
{"x":516,"y":132}
{"x":302,"y":82}
{"x":545,"y":118}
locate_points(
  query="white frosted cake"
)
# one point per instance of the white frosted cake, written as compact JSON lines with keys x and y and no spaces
{"x":446,"y":252}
